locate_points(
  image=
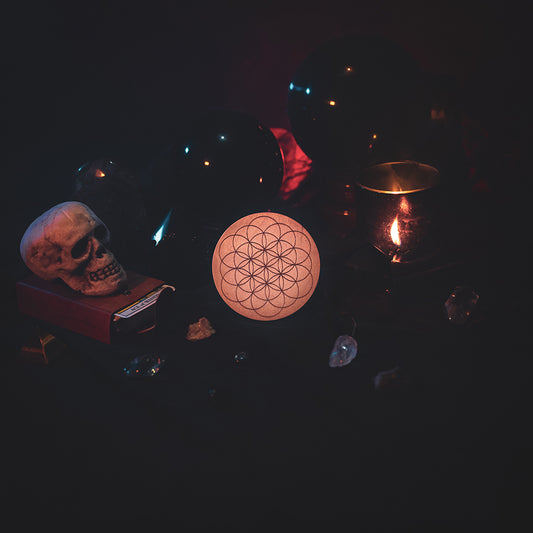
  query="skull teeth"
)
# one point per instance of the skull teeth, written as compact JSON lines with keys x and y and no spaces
{"x":105,"y":272}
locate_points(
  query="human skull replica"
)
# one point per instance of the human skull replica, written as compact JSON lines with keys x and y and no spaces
{"x":70,"y":242}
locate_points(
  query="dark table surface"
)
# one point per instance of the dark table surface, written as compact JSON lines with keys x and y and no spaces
{"x":286,"y":441}
{"x":285,"y":435}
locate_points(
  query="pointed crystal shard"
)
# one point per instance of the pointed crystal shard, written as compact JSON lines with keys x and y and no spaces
{"x":344,"y":351}
{"x":387,"y":379}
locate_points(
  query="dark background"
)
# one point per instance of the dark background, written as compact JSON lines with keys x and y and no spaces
{"x":116,"y":80}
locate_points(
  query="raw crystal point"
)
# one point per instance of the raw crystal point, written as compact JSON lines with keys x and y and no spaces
{"x":201,"y":329}
{"x":387,"y":378}
{"x":460,"y":304}
{"x":344,"y":351}
{"x":144,"y":366}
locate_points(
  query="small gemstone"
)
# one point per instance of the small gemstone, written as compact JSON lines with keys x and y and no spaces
{"x":240,"y":358}
{"x":144,"y":366}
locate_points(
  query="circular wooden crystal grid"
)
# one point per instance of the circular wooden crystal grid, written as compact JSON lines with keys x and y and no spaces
{"x":266,"y":266}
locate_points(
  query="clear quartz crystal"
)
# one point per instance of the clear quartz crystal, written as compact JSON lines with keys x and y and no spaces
{"x":387,"y":378}
{"x":343,"y":352}
{"x":147,"y":365}
{"x":460,"y":304}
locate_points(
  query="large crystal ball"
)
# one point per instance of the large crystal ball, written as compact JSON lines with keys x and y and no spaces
{"x":358,"y":100}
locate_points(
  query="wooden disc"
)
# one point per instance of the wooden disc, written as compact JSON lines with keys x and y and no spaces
{"x":266,"y":266}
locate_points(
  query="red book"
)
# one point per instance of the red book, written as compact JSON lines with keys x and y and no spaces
{"x":94,"y":316}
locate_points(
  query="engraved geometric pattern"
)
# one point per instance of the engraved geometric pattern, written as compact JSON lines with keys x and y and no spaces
{"x":266,"y":266}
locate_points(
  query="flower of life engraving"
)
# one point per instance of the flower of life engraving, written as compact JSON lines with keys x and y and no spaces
{"x":266,"y":266}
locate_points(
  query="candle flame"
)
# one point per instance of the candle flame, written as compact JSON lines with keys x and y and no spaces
{"x":395,"y":232}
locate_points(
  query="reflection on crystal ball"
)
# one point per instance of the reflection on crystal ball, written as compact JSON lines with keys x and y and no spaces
{"x":225,"y":163}
{"x":357,"y":100}
{"x":183,"y":250}
{"x":115,"y":195}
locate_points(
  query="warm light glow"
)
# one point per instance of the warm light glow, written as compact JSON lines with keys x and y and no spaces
{"x":395,"y":233}
{"x":99,"y":173}
{"x":374,"y":136}
{"x":332,"y":103}
{"x":405,"y":207}
{"x":206,"y":163}
{"x":266,"y":266}
{"x":398,"y":177}
{"x":346,"y":213}
{"x":261,"y":180}
{"x":438,"y":114}
{"x":348,"y":69}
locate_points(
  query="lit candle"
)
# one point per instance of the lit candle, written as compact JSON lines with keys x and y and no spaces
{"x":395,"y":238}
{"x":396,"y":208}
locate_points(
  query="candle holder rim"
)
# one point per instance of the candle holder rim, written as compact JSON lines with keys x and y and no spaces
{"x":432,"y":177}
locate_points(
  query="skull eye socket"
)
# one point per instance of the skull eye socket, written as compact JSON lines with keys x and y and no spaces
{"x":101,"y":233}
{"x":80,"y":247}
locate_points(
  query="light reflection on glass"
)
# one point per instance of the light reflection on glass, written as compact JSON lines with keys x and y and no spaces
{"x":158,"y":235}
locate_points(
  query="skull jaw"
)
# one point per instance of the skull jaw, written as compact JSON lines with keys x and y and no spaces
{"x":104,"y":287}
